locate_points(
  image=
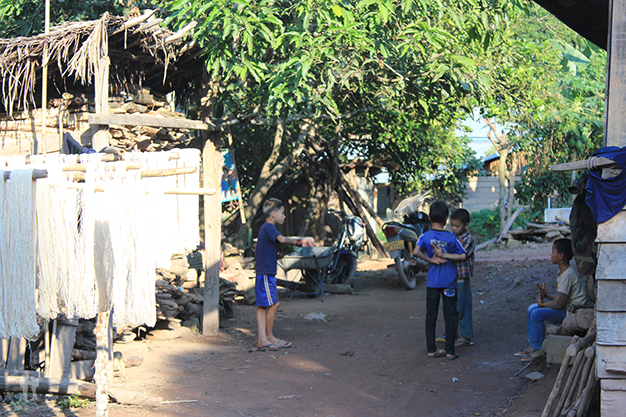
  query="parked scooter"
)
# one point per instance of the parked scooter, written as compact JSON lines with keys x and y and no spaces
{"x":401,"y":240}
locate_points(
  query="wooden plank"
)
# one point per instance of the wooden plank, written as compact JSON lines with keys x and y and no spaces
{"x":612,"y":398}
{"x":145,"y":120}
{"x":15,"y":357}
{"x":572,"y":166}
{"x":613,"y":230}
{"x":611,"y":261}
{"x":212,"y":177}
{"x":611,"y":295}
{"x":610,"y":355}
{"x":611,"y":328}
{"x":61,"y":358}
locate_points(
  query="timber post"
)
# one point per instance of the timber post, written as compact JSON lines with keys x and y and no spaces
{"x":610,"y":273}
{"x":212,"y":178}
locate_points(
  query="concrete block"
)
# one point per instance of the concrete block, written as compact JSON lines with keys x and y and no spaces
{"x":555,"y":347}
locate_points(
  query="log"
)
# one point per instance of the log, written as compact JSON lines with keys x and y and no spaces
{"x":338,"y":288}
{"x":510,"y":222}
{"x":590,"y":388}
{"x":14,"y":382}
{"x":590,"y":355}
{"x":581,"y":344}
{"x":576,"y":380}
{"x":485,"y":244}
{"x":557,"y":384}
{"x":570,"y":382}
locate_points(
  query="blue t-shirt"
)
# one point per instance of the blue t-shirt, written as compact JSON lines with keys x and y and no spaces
{"x":266,"y":253}
{"x":444,"y":275}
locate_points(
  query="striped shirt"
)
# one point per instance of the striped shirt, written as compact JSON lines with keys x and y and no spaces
{"x":466,"y":267}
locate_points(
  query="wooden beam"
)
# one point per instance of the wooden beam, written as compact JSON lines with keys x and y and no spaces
{"x":144,"y":120}
{"x":600,"y":162}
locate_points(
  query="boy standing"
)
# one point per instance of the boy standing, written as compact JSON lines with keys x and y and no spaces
{"x":266,"y":256}
{"x":442,"y":250}
{"x":459,"y":220}
{"x":570,"y":290}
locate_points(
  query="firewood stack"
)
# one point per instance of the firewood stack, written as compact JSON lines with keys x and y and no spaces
{"x":537,"y":232}
{"x":141,"y":101}
{"x":575,"y":391}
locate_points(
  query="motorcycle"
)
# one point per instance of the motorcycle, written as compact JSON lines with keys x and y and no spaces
{"x":401,"y":240}
{"x":350,"y":241}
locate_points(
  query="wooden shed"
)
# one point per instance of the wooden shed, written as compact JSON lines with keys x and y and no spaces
{"x":89,"y":79}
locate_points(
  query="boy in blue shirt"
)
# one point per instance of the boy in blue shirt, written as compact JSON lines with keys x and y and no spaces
{"x":266,"y":255}
{"x":442,"y":250}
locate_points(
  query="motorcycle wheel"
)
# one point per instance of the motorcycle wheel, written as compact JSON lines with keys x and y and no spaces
{"x":344,"y":272}
{"x":408,"y":276}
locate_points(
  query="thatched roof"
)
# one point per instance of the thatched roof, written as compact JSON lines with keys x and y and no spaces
{"x":140,"y":50}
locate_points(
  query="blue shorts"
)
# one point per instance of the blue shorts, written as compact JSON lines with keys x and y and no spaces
{"x":265,"y":290}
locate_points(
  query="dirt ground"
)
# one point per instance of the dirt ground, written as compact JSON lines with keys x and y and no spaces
{"x":354,"y":355}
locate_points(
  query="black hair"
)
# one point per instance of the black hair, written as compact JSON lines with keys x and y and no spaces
{"x":271,"y":205}
{"x":564,"y":247}
{"x":438,"y":212}
{"x":461,"y":215}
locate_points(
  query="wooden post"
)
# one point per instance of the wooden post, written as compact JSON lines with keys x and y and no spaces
{"x":102,"y":364}
{"x":610,"y":274}
{"x":212,"y":177}
{"x":100,"y":137}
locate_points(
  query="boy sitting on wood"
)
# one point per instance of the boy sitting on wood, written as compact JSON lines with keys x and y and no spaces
{"x":552,"y":307}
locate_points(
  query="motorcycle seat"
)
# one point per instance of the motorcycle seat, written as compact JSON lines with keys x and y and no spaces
{"x":404,"y":225}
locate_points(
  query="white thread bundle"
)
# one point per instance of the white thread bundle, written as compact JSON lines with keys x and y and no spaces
{"x":66,"y":278}
{"x":124,"y":238}
{"x":17,"y":256}
{"x":188,"y":205}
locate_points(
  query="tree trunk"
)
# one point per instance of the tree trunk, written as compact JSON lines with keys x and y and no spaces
{"x":511,"y":186}
{"x":502,"y":180}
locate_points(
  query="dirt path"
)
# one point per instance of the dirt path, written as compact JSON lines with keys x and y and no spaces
{"x":366,"y":358}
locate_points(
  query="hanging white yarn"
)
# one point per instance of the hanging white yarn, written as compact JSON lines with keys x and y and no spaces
{"x":188,"y":205}
{"x":17,"y":245}
{"x":124,"y":237}
{"x":66,"y":279}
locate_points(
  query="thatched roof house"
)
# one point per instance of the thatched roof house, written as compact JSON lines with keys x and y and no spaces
{"x":144,"y":60}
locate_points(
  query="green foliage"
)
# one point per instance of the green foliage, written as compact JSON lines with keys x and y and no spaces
{"x":73,"y":401}
{"x":485,"y":224}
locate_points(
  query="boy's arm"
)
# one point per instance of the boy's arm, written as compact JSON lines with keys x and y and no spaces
{"x":289,"y":241}
{"x":418,"y":253}
{"x":454,"y":256}
{"x":557,"y":302}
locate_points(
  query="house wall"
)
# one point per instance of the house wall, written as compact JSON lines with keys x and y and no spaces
{"x":18,"y":133}
{"x":483,"y":192}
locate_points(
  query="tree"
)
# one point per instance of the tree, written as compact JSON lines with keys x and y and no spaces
{"x":399,"y":73}
{"x":544,"y":103}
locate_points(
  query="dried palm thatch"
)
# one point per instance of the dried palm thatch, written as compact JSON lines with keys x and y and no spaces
{"x":140,"y":45}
